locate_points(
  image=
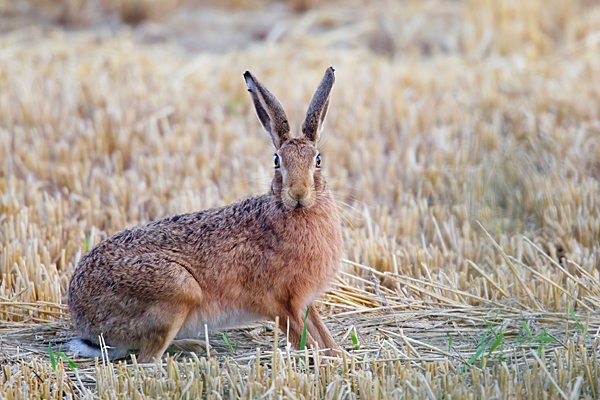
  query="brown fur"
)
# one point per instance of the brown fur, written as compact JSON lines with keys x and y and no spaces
{"x":264,"y":257}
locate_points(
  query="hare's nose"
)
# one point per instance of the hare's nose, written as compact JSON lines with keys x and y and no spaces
{"x":299,"y":195}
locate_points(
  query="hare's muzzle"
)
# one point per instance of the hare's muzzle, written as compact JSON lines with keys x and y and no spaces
{"x":297,"y":197}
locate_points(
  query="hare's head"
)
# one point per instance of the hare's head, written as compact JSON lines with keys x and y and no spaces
{"x":297,"y":161}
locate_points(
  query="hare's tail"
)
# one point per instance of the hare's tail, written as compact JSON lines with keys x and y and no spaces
{"x":85,"y":348}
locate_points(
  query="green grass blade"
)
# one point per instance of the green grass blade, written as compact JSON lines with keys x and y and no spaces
{"x":483,"y":339}
{"x":67,"y":359}
{"x":52,"y":358}
{"x":476,"y":356}
{"x":545,"y":338}
{"x":526,"y":328}
{"x":490,"y":327}
{"x":497,"y":342}
{"x":303,"y":337}
{"x":227,"y":342}
{"x":579,"y":324}
{"x":355,"y":341}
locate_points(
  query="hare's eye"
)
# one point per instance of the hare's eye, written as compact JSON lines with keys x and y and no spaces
{"x":318,"y":161}
{"x":276,"y":161}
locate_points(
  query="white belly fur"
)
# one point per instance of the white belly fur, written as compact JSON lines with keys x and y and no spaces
{"x":193,"y":327}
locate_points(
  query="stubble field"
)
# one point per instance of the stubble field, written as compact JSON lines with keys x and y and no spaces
{"x":462,"y":144}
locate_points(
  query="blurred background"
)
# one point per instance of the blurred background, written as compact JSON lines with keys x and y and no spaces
{"x":402,"y":28}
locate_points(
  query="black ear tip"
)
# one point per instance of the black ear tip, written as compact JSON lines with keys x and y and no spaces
{"x":249,"y":80}
{"x":330,"y":72}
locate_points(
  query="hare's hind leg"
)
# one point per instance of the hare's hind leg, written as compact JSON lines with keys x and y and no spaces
{"x":320,"y":332}
{"x":169,"y":320}
{"x":165,"y":317}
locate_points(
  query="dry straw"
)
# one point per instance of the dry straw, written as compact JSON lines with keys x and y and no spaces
{"x":462,"y":144}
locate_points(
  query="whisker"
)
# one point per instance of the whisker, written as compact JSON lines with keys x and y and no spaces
{"x":349,"y":206}
{"x":355,"y":200}
{"x":339,"y":205}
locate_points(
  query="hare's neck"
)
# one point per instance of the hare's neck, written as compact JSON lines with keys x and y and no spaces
{"x":324,"y":213}
{"x":311,"y":236}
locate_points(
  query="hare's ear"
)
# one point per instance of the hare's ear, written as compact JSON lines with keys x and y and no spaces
{"x":269,"y":111}
{"x":313,"y":123}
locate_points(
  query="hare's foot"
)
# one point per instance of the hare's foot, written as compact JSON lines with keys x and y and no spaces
{"x":189,"y":345}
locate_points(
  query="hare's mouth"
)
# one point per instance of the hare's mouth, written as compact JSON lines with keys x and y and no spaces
{"x":298,"y":203}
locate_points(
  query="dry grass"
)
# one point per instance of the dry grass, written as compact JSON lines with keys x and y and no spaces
{"x":462,"y":143}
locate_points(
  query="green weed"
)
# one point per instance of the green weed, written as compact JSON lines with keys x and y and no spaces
{"x":539,"y":340}
{"x":491,"y":340}
{"x":355,"y":341}
{"x":228,"y":343}
{"x":579,"y":324}
{"x":303,"y":337}
{"x":53,"y":357}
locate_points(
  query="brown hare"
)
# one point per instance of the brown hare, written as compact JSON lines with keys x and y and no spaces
{"x":259,"y":258}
